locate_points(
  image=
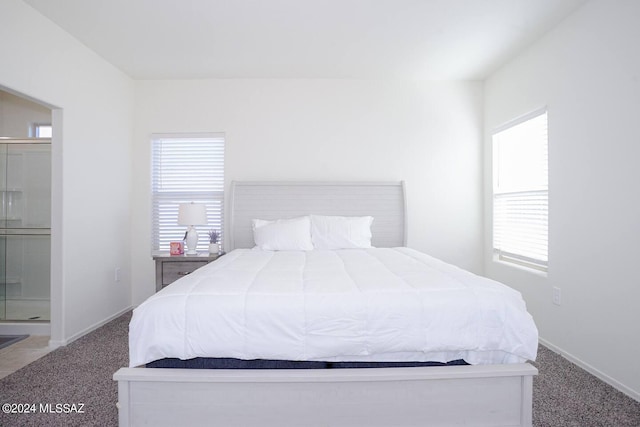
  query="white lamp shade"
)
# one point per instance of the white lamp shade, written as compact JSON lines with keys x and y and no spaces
{"x":192,"y":214}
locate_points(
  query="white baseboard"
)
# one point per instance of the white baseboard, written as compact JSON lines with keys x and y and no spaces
{"x":593,"y":371}
{"x":55,"y":344}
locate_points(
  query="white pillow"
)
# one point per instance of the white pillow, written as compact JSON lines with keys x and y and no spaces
{"x":341,"y":232}
{"x":283,"y":234}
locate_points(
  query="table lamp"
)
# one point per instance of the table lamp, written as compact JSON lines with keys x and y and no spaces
{"x":191,"y":214}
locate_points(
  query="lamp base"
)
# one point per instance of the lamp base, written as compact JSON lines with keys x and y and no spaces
{"x":192,"y":241}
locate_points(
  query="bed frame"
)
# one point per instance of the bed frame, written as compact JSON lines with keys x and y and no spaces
{"x":427,"y":396}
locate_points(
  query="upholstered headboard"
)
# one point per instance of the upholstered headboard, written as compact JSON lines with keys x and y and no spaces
{"x":385,"y":201}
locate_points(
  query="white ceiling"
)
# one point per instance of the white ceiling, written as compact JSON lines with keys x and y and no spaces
{"x":369,"y":39}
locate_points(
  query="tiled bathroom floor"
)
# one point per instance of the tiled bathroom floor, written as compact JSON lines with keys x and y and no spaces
{"x":22,"y":353}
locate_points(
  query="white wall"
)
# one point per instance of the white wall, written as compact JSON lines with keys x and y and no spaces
{"x":428,"y":134}
{"x":587,"y":71}
{"x":91,"y":174}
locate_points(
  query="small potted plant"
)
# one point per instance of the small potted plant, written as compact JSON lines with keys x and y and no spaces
{"x":214,"y":247}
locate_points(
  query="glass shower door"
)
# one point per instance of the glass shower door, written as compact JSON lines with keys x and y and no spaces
{"x":3,"y":278}
{"x":3,"y":239}
{"x":27,"y":272}
{"x":25,"y":230}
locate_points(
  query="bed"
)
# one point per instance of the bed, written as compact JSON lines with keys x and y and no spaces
{"x":338,"y":307}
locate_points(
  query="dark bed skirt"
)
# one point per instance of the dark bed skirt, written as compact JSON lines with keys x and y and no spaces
{"x":229,"y":363}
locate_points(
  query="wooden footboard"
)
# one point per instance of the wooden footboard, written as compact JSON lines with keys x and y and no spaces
{"x":425,"y":396}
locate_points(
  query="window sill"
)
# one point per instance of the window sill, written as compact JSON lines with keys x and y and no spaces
{"x":534,"y":271}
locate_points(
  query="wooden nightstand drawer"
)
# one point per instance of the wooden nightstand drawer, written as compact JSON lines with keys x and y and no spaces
{"x":171,"y":268}
{"x":172,"y":271}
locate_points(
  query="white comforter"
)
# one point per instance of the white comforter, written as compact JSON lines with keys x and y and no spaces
{"x":346,"y":305}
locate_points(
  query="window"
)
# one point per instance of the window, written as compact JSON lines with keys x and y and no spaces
{"x":186,"y":168}
{"x":521,"y":191}
{"x":41,"y":130}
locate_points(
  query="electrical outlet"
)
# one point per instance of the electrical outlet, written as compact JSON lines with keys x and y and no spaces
{"x":557,"y":296}
{"x":116,"y":275}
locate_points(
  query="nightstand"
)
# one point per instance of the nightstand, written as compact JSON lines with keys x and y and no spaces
{"x":170,"y":268}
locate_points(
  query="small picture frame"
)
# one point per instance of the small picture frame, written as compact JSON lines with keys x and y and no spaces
{"x":176,"y":248}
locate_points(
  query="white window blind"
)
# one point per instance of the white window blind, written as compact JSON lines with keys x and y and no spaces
{"x":186,"y":168}
{"x":521,"y":191}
